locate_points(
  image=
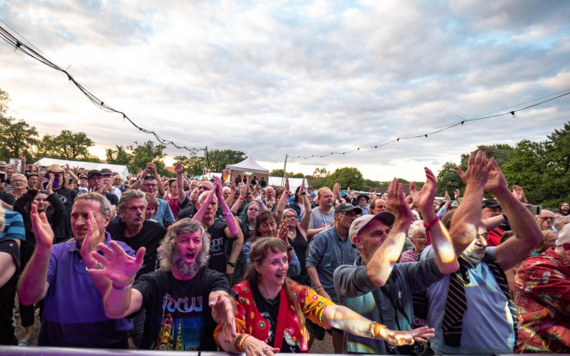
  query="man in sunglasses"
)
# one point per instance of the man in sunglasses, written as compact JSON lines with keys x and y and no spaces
{"x":543,"y":299}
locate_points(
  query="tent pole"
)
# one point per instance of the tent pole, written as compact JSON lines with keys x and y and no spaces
{"x":284,"y":172}
{"x":205,"y":157}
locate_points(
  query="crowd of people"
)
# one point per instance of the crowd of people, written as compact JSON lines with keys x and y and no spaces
{"x":238,"y":265}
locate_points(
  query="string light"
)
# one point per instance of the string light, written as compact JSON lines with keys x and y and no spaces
{"x":463,"y":121}
{"x":13,"y":41}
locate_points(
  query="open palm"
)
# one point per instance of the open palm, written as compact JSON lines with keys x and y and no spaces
{"x":120,"y":268}
{"x":41,"y":227}
{"x":424,"y":198}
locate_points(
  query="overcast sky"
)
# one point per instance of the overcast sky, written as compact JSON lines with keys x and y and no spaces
{"x":295,"y":77}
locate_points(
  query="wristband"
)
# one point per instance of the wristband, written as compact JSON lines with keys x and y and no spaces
{"x":240,"y":341}
{"x":228,"y":213}
{"x":317,"y":287}
{"x":429,"y":226}
{"x":240,"y":198}
{"x":375,"y":330}
{"x":232,"y":264}
{"x":116,"y":287}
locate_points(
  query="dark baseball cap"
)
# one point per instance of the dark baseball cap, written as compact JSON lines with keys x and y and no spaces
{"x":345,"y":208}
{"x":490,"y":203}
{"x":363,"y":196}
{"x":91,"y":173}
{"x":106,"y":171}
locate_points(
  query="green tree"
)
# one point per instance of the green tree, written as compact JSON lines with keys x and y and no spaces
{"x":68,"y":145}
{"x":194,"y":165}
{"x":217,"y":160}
{"x":118,"y":156}
{"x":4,"y":100}
{"x":448,"y":180}
{"x":500,"y":152}
{"x":17,"y":137}
{"x":346,"y":177}
{"x":145,"y":153}
{"x":279,"y":173}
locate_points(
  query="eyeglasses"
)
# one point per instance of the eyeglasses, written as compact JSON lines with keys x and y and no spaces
{"x":150,"y":185}
{"x":290,"y":217}
{"x":547,"y":218}
{"x":18,"y":181}
{"x":95,"y":179}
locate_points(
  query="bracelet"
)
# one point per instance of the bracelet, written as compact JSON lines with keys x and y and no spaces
{"x":116,"y":287}
{"x":429,"y":226}
{"x":240,"y":341}
{"x":228,"y":213}
{"x":375,"y":330}
{"x":240,"y":198}
{"x":317,"y":287}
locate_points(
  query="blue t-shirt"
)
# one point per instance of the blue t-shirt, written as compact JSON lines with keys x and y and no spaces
{"x":487,"y":322}
{"x":163,"y":213}
{"x":13,"y":226}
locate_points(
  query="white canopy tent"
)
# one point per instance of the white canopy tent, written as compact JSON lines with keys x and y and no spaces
{"x":248,"y":166}
{"x":122,"y":170}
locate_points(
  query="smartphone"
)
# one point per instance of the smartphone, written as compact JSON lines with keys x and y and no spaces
{"x":535,"y":209}
{"x":2,"y":177}
{"x":55,"y":181}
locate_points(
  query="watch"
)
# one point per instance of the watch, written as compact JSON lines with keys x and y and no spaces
{"x":232,"y":264}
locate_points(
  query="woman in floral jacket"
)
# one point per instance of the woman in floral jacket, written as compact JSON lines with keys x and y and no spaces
{"x":266,"y":326}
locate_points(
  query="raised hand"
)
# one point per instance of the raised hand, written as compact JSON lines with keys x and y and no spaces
{"x":120,"y":268}
{"x":518,"y":192}
{"x":179,"y":168}
{"x":424,"y":198}
{"x":496,"y":181}
{"x":397,"y":201}
{"x":152,"y":167}
{"x":91,"y":240}
{"x":286,"y":183}
{"x":218,"y":187}
{"x":478,"y":169}
{"x":447,"y":198}
{"x":302,"y":189}
{"x":401,"y":338}
{"x":283,"y":230}
{"x":49,"y":186}
{"x":223,"y":313}
{"x":42,"y":228}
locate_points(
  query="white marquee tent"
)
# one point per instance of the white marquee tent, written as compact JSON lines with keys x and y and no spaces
{"x":250,"y":167}
{"x":123,"y":171}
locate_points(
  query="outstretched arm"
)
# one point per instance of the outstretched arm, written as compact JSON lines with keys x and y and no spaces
{"x":527,"y":233}
{"x":381,"y":263}
{"x":468,"y":215}
{"x":445,"y":258}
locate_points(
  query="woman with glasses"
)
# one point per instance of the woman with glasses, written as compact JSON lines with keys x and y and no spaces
{"x":296,"y":231}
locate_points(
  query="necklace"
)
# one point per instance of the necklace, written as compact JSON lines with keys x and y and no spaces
{"x":271,"y":301}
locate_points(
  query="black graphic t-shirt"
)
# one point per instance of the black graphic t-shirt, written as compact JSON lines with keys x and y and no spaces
{"x":62,"y":232}
{"x":218,"y":249}
{"x":178,"y":316}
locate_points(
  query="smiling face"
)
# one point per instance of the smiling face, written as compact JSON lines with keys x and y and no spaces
{"x":267,"y":228}
{"x":80,"y":216}
{"x":326,"y":199}
{"x":273,"y":268}
{"x":476,"y":250}
{"x":18,"y":182}
{"x":291,"y":218}
{"x":370,"y":237}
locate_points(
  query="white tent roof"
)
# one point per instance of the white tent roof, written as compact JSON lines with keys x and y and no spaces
{"x":248,"y":165}
{"x":88,"y":166}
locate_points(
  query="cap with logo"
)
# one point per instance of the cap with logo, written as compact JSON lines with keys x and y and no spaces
{"x":385,"y":216}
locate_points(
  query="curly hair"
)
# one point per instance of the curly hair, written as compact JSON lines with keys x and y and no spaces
{"x":182,"y":227}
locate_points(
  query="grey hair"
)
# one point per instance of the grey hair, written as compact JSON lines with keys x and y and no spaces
{"x":103,"y":202}
{"x":168,"y":244}
{"x":415,"y":227}
{"x":270,"y":188}
{"x":20,"y":174}
{"x":225,"y":189}
{"x":288,"y":210}
{"x":204,"y":196}
{"x":559,"y":221}
{"x":130,"y":195}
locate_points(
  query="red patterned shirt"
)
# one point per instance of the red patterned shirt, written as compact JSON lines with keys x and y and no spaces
{"x":543,"y":301}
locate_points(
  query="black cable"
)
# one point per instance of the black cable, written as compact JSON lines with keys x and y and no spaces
{"x":566,"y":92}
{"x":22,"y":47}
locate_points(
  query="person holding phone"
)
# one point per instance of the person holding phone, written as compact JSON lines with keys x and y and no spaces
{"x":62,"y":231}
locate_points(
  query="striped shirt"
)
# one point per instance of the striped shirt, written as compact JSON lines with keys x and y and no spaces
{"x":13,"y":226}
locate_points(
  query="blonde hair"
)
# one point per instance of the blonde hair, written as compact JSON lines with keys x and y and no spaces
{"x":415,"y":227}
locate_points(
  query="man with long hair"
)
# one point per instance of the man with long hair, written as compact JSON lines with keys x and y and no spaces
{"x":177,"y":314}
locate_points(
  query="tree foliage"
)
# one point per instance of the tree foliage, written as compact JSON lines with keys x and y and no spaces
{"x":346,"y":177}
{"x":279,"y":173}
{"x":119,"y":156}
{"x":194,"y":165}
{"x":217,"y":160}
{"x":17,"y":137}
{"x":145,"y":153}
{"x":67,"y":145}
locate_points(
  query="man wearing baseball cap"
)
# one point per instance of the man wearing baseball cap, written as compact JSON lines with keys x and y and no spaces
{"x":329,"y":249}
{"x":379,"y":288}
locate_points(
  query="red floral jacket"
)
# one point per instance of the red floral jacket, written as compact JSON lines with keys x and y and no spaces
{"x":543,"y":299}
{"x":249,"y":320}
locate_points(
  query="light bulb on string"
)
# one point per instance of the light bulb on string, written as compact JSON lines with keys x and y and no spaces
{"x":513,"y":113}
